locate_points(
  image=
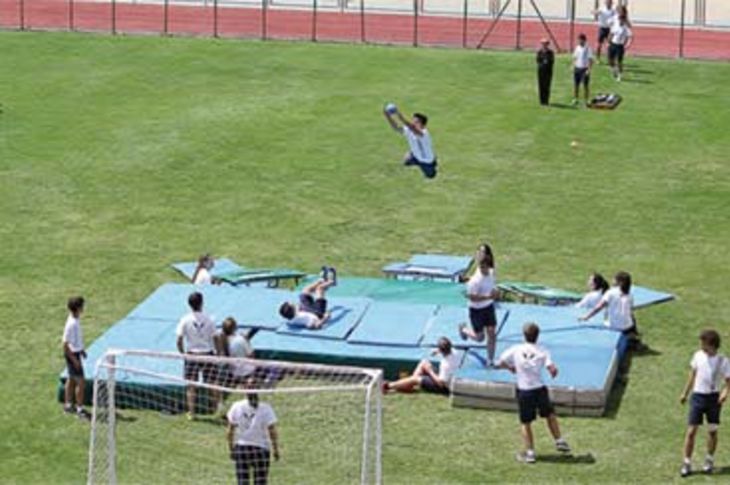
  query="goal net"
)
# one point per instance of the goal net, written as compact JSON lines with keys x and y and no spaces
{"x":275,"y":422}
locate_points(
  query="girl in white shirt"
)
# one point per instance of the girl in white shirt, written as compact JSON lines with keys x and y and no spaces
{"x":202,"y":275}
{"x":597,"y":286}
{"x":481,"y":293}
{"x":425,"y":377}
{"x":619,"y":305}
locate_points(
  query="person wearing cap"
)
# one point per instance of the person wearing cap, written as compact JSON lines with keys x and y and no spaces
{"x":545,"y":60}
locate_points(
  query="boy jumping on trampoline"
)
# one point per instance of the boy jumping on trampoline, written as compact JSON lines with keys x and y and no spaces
{"x":707,"y":369}
{"x":312,"y":309}
{"x":421,"y":152}
{"x":526,"y":361}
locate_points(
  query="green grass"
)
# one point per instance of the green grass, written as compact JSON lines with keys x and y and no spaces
{"x":121,"y":155}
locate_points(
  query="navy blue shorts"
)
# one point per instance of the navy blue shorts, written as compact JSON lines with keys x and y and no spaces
{"x":482,"y":318}
{"x":429,"y":385}
{"x":616,"y":52}
{"x":704,"y":406}
{"x":603,"y":33}
{"x":194,"y":368}
{"x":308,"y":304}
{"x":533,"y":401}
{"x":73,"y":372}
{"x":581,"y":76}
{"x":428,"y":169}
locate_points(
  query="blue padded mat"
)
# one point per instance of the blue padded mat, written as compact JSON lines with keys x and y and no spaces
{"x":644,"y":297}
{"x":346,"y":313}
{"x":222,"y":265}
{"x":549,"y":318}
{"x":390,"y":323}
{"x":446,"y":324}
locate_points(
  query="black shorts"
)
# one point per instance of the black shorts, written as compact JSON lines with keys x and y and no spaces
{"x":194,"y":368}
{"x":73,"y":372}
{"x":603,"y":33}
{"x":429,"y":169}
{"x":581,"y":76}
{"x":429,"y":385}
{"x":704,"y":406}
{"x":482,"y":318}
{"x":533,"y":401}
{"x":616,"y":52}
{"x":308,"y":304}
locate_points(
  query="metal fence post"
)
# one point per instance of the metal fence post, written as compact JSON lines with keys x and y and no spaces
{"x":264,"y":19}
{"x":415,"y":23}
{"x":166,"y":18}
{"x":114,"y":17}
{"x":314,"y":20}
{"x":362,"y":21}
{"x":464,"y":21}
{"x":71,"y":15}
{"x":518,"y":34}
{"x":681,"y":29}
{"x":21,"y":14}
{"x":215,"y":18}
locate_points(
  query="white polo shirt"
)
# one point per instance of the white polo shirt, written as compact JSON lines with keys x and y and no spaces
{"x":619,"y":309}
{"x":482,"y":285}
{"x":528,"y":360}
{"x":251,"y":424}
{"x":203,"y":278}
{"x":421,"y":146}
{"x":606,"y":17}
{"x":240,"y":347}
{"x":620,"y":34}
{"x":582,"y":56}
{"x":590,"y":300}
{"x":198,"y":330}
{"x":448,"y":366}
{"x":304,"y":319}
{"x":711,"y":371}
{"x":72,"y":334}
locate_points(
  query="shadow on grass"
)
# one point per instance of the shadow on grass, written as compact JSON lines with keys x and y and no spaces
{"x":125,"y":419}
{"x":618,"y":390}
{"x":563,"y":106}
{"x":723,"y":470}
{"x":637,"y":81}
{"x":585,"y":459}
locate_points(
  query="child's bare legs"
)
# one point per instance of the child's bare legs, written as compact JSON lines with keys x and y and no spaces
{"x":527,"y":437}
{"x":471,"y":334}
{"x":69,"y":391}
{"x":408,"y":383}
{"x":80,"y":387}
{"x":321,"y":288}
{"x":553,"y":426}
{"x":711,"y":442}
{"x":689,"y":441}
{"x":191,"y":400}
{"x":491,"y":342}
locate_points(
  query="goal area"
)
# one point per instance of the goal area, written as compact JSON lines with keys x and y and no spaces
{"x":324,"y":421}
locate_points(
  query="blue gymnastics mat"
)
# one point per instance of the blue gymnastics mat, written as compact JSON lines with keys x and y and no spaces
{"x":644,"y":297}
{"x":446,"y":324}
{"x":389,"y":323}
{"x":222,"y":266}
{"x":346,"y":314}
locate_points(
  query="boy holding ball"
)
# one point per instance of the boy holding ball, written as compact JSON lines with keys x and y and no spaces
{"x":419,"y":140}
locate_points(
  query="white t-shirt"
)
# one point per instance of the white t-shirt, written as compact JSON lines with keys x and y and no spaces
{"x":204,"y":277}
{"x":619,"y":309}
{"x":251,"y":424}
{"x":620,"y":34}
{"x":304,"y":319}
{"x":711,"y":371}
{"x":582,"y":56}
{"x":421,"y":146}
{"x":73,"y":335}
{"x":198,"y":330}
{"x":606,"y":17}
{"x":482,"y":285}
{"x":528,"y":360}
{"x":590,"y":300}
{"x":240,"y":347}
{"x":448,"y":366}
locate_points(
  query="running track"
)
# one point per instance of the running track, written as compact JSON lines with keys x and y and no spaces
{"x":332,"y":25}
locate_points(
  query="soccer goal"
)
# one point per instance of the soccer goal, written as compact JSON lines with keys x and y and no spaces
{"x":324,"y":421}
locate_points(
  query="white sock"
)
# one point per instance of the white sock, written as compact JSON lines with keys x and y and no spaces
{"x":560,"y":440}
{"x":687,"y":461}
{"x":530,"y":452}
{"x":79,"y":409}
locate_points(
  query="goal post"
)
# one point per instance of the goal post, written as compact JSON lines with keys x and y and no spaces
{"x":325,"y":421}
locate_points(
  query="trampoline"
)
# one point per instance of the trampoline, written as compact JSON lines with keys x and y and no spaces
{"x":430,"y":267}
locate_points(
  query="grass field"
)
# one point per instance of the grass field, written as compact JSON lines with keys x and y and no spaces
{"x":121,"y":155}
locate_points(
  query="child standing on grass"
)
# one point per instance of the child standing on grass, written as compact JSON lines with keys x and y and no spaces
{"x":527,"y":361}
{"x":707,"y":369}
{"x":582,"y":65}
{"x":73,"y":351}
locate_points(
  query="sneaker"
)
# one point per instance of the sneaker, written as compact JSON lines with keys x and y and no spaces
{"x":562,"y":446}
{"x":526,"y":457}
{"x":618,"y":78}
{"x":574,"y":102}
{"x":68,"y":409}
{"x":686,"y":470}
{"x":333,"y":275}
{"x":83,"y":414}
{"x":462,"y":331}
{"x":709,"y":466}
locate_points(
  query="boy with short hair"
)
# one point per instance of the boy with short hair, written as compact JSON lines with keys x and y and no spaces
{"x":312,"y":309}
{"x":73,"y":351}
{"x":605,"y":16}
{"x":196,"y":336}
{"x":421,"y":152}
{"x":527,"y":361}
{"x":708,"y":368}
{"x":621,"y":38}
{"x":582,"y":65}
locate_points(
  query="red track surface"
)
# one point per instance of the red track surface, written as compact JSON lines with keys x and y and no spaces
{"x":277,"y":23}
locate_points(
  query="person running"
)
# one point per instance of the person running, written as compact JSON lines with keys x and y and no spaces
{"x":621,"y":39}
{"x":312,"y":309}
{"x":74,"y":353}
{"x":252,"y":436}
{"x":481,"y":293}
{"x":597,"y":287}
{"x":424,"y":377}
{"x":421,"y":152}
{"x":545,"y":60}
{"x":582,"y":65}
{"x":605,"y":16}
{"x":526,"y":361}
{"x":708,"y":368}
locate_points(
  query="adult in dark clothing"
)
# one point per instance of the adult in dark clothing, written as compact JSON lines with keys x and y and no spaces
{"x":545,"y":61}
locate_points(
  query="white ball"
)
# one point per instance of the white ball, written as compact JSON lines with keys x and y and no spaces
{"x":391,"y":108}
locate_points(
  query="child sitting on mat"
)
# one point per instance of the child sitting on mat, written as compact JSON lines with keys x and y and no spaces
{"x":312,"y":309}
{"x":425,"y":377}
